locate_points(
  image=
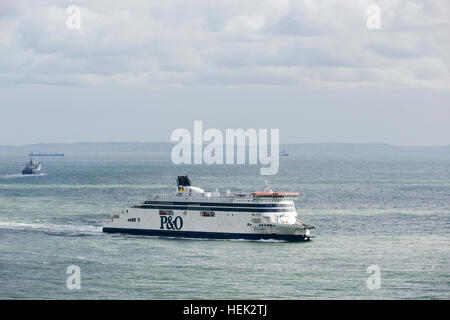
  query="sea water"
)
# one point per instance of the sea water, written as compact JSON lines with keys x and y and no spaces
{"x":389,"y":214}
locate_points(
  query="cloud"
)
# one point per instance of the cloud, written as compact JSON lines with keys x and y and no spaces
{"x":255,"y":42}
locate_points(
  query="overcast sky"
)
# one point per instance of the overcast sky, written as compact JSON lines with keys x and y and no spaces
{"x":137,"y":70}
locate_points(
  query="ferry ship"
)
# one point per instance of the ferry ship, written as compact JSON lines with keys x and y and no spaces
{"x":32,"y":167}
{"x":190,"y":212}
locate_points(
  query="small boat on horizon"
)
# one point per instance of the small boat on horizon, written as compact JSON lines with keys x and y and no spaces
{"x":284,"y":153}
{"x":32,"y":167}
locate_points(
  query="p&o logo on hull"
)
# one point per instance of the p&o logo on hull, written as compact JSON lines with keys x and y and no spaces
{"x":171,"y":224}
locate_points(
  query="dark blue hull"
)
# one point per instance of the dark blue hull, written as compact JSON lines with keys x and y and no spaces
{"x":31,"y":171}
{"x":209,"y":235}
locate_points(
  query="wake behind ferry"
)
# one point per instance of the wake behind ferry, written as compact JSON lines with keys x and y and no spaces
{"x":191,"y":212}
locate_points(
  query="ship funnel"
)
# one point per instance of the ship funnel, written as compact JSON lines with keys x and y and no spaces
{"x":183,"y":181}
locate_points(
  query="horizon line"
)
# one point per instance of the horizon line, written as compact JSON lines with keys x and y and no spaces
{"x":171,"y":142}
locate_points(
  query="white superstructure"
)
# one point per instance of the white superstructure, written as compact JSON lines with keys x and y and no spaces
{"x":193,"y":213}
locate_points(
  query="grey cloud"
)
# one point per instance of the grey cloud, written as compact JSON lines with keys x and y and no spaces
{"x":269,"y":42}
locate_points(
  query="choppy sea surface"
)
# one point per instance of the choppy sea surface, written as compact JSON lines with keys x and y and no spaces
{"x":390,"y":213}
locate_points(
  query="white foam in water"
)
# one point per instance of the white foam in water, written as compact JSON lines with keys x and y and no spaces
{"x":19,"y":175}
{"x":49,"y":227}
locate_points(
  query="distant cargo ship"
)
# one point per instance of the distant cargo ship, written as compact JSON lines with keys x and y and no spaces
{"x":40,"y":154}
{"x":191,"y":212}
{"x":32,"y":167}
{"x":284,"y":153}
